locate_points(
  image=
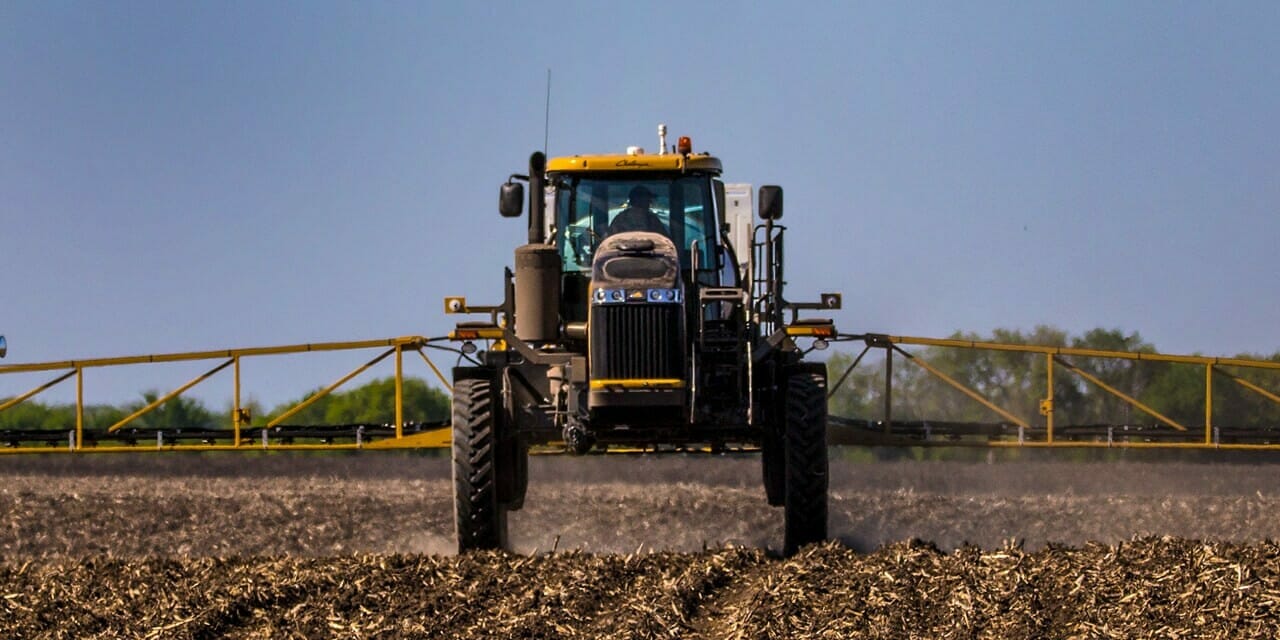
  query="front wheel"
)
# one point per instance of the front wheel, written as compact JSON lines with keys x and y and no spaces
{"x":805,"y":445}
{"x":480,"y":517}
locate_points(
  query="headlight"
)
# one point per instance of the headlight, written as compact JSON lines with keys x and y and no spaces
{"x":664,"y":295}
{"x":618,"y":296}
{"x":609,"y":296}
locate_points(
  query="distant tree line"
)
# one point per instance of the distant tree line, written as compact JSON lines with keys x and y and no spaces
{"x":1016,"y":382}
{"x":371,"y":403}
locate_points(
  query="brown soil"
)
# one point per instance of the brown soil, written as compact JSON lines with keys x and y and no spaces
{"x":359,"y":546}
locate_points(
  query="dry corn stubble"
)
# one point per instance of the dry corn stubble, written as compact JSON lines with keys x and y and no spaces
{"x":300,"y":548}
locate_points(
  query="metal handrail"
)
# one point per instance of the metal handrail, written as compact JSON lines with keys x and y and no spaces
{"x":1054,"y":354}
{"x":76,"y":369}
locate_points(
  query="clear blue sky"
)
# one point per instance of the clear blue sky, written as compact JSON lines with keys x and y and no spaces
{"x":178,"y":176}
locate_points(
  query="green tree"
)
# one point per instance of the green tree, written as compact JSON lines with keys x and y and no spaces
{"x":1176,"y":391}
{"x":179,"y":412}
{"x":858,"y":392}
{"x":1236,"y":406}
{"x":1128,"y":376}
{"x":1014,"y":381}
{"x":372,"y":403}
{"x":57,"y":417}
{"x":34,"y":415}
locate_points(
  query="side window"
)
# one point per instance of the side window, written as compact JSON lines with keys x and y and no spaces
{"x":577,"y":216}
{"x":697,"y":217}
{"x":568,"y":238}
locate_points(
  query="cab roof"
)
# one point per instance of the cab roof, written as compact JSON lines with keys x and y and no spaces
{"x":640,"y":162}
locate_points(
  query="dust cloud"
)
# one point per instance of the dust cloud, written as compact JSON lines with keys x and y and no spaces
{"x":235,"y":505}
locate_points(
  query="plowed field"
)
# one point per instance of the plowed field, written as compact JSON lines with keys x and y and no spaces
{"x":359,"y":546}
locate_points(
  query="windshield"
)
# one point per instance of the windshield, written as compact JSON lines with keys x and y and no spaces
{"x":590,"y":208}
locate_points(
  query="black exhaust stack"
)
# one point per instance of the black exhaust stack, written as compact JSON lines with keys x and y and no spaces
{"x":537,"y":197}
{"x":537,"y":286}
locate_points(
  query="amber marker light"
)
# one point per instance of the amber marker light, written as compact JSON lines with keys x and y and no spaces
{"x":684,"y":145}
{"x":819,"y":331}
{"x":482,"y":333}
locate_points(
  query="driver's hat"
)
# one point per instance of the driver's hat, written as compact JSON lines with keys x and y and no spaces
{"x":640,"y":192}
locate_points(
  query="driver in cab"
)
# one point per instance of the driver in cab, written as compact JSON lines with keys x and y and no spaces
{"x":638,"y":216}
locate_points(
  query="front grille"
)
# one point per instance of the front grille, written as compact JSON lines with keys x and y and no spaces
{"x":636,"y":341}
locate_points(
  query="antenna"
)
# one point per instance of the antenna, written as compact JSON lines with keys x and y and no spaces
{"x":546,"y":124}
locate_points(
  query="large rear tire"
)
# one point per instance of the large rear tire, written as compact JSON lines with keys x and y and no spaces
{"x":805,"y":441}
{"x":480,"y":518}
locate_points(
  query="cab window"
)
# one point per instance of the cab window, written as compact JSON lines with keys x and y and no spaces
{"x":586,"y":206}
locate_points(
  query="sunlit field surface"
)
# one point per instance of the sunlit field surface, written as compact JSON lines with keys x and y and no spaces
{"x":361,"y":546}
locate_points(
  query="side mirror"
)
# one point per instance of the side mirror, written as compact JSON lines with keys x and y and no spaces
{"x":771,"y":202}
{"x":4,"y":347}
{"x":511,"y":200}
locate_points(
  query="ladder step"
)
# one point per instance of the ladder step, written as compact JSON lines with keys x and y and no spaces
{"x":722,"y":294}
